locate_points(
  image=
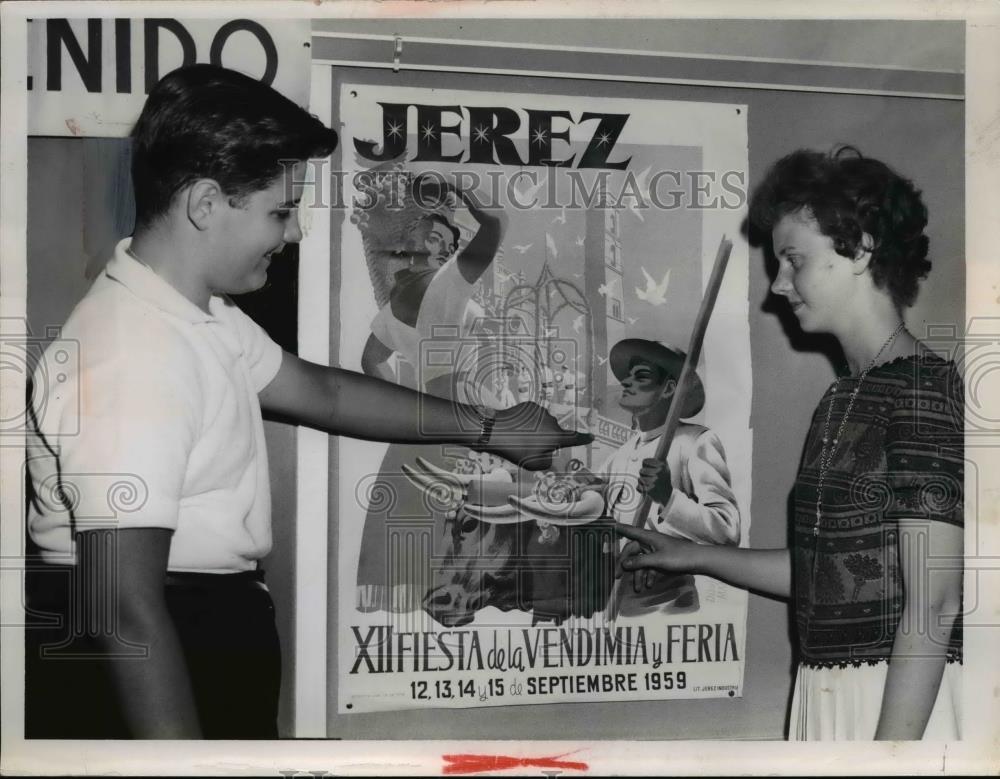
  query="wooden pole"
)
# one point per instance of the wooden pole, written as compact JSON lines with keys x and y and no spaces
{"x":680,"y":392}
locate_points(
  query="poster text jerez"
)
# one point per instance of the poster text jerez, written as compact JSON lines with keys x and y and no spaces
{"x":498,"y":248}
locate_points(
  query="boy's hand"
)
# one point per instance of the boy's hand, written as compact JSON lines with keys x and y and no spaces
{"x":527,"y":434}
{"x":654,"y":480}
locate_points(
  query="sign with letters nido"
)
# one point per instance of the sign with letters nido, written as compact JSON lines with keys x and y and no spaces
{"x":90,"y":77}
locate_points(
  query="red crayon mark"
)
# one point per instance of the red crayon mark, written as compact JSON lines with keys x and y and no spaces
{"x":471,"y":764}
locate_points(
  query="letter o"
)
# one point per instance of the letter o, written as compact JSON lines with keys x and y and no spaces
{"x":258,"y":31}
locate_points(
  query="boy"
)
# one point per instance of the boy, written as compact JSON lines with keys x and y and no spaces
{"x":173,"y":378}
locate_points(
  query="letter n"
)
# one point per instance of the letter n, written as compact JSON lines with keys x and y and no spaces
{"x":57,"y":32}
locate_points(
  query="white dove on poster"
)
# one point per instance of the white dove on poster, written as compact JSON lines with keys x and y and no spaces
{"x":654,"y":293}
{"x":632,"y":320}
{"x":580,"y":240}
{"x":551,"y":246}
{"x":638,"y":195}
{"x":578,"y":324}
{"x":601,"y":360}
{"x":577,"y":275}
{"x":561,"y":219}
{"x":523,"y":248}
{"x":606,"y":289}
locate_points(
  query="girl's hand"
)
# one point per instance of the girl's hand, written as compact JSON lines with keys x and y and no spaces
{"x":648,"y":549}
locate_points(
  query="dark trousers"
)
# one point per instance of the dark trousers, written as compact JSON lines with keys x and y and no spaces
{"x":225,"y":623}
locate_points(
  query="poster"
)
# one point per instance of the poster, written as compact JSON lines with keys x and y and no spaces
{"x":518,"y":248}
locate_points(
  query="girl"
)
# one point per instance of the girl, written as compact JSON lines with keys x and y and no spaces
{"x":880,"y":481}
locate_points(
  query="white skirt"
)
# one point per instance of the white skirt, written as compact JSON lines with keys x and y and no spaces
{"x":843,"y":704}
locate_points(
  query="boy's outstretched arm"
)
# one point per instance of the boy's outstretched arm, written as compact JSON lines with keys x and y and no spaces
{"x":767,"y":571}
{"x":352,"y":404}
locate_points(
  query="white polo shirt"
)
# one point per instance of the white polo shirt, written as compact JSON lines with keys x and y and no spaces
{"x":153,"y":420}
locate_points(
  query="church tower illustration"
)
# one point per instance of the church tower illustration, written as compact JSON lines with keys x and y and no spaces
{"x":605,"y":293}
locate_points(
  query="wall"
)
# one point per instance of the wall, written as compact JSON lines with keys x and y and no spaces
{"x":921,"y":137}
{"x":895,"y":43}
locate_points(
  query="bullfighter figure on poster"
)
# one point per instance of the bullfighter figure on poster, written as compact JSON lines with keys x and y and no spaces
{"x":516,"y":252}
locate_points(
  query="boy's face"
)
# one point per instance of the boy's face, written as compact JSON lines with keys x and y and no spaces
{"x":249,"y":233}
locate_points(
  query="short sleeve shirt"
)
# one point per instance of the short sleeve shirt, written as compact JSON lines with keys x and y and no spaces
{"x":898,"y":457}
{"x":147,"y":415}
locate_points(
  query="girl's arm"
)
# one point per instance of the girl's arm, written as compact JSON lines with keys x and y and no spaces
{"x":933,"y":601}
{"x":767,"y":571}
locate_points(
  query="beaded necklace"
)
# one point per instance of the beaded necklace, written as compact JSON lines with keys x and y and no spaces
{"x":826,"y":457}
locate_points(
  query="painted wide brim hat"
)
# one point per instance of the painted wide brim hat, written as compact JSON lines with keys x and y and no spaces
{"x":666,"y":357}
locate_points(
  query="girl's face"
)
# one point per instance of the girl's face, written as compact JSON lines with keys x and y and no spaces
{"x":817,"y":282}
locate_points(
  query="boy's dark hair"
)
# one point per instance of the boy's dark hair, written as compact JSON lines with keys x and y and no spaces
{"x":204,"y":121}
{"x":849,"y":195}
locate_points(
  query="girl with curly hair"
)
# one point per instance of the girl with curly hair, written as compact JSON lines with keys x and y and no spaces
{"x":879,"y":492}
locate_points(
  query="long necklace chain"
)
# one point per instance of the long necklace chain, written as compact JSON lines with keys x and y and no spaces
{"x":826,"y":455}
